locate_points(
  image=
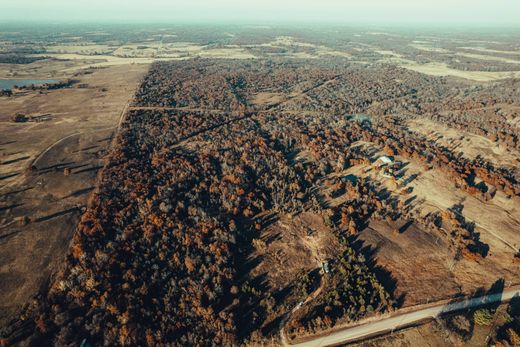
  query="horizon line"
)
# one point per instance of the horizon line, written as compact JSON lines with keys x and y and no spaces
{"x":262,"y":23}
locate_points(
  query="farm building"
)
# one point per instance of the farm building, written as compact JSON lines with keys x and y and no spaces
{"x":383,"y":161}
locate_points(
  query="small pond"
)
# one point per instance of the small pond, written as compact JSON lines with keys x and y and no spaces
{"x":8,"y":84}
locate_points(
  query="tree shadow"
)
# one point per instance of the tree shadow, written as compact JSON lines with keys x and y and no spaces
{"x":7,"y":143}
{"x":54,"y":167}
{"x":85,"y":149}
{"x":458,"y":207}
{"x":273,"y":237}
{"x":4,"y":208}
{"x":268,"y":220}
{"x":405,"y":226}
{"x":12,"y":161}
{"x":272,"y":327}
{"x":481,"y":299}
{"x":410,"y":200}
{"x":410,"y":179}
{"x":7,"y":235}
{"x":482,"y":186}
{"x":9,"y":175}
{"x":513,"y":310}
{"x":476,"y":246}
{"x":497,"y":288}
{"x":250,"y":310}
{"x":94,"y":168}
{"x":79,"y":192}
{"x":106,"y":139}
{"x":57,"y":214}
{"x":384,"y":276}
{"x":72,"y":167}
{"x":17,"y":191}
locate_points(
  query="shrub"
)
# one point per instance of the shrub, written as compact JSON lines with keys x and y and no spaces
{"x":483,"y":317}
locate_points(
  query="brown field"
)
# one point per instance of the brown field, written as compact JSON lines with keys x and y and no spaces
{"x":471,"y":145}
{"x":441,"y":69}
{"x":428,"y":250}
{"x":294,"y":245}
{"x":41,"y":206}
{"x":290,"y":248}
{"x":48,"y":68}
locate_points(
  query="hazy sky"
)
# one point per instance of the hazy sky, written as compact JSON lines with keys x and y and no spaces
{"x":475,"y":12}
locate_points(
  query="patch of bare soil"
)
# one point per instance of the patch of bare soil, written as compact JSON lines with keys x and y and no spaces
{"x":287,"y":252}
{"x":266,"y":98}
{"x":293,"y":245}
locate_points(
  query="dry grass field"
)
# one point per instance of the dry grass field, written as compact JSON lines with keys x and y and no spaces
{"x":48,"y":167}
{"x":428,"y":249}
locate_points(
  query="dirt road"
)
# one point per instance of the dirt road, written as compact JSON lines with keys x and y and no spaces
{"x":389,"y":324}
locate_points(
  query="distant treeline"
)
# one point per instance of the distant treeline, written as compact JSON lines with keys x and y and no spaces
{"x":18,"y":59}
{"x":49,"y":86}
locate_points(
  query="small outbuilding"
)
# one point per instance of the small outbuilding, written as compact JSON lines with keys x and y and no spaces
{"x":383,"y":161}
{"x":326,"y":267}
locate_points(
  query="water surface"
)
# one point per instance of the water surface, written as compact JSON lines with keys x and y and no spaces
{"x":8,"y":84}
